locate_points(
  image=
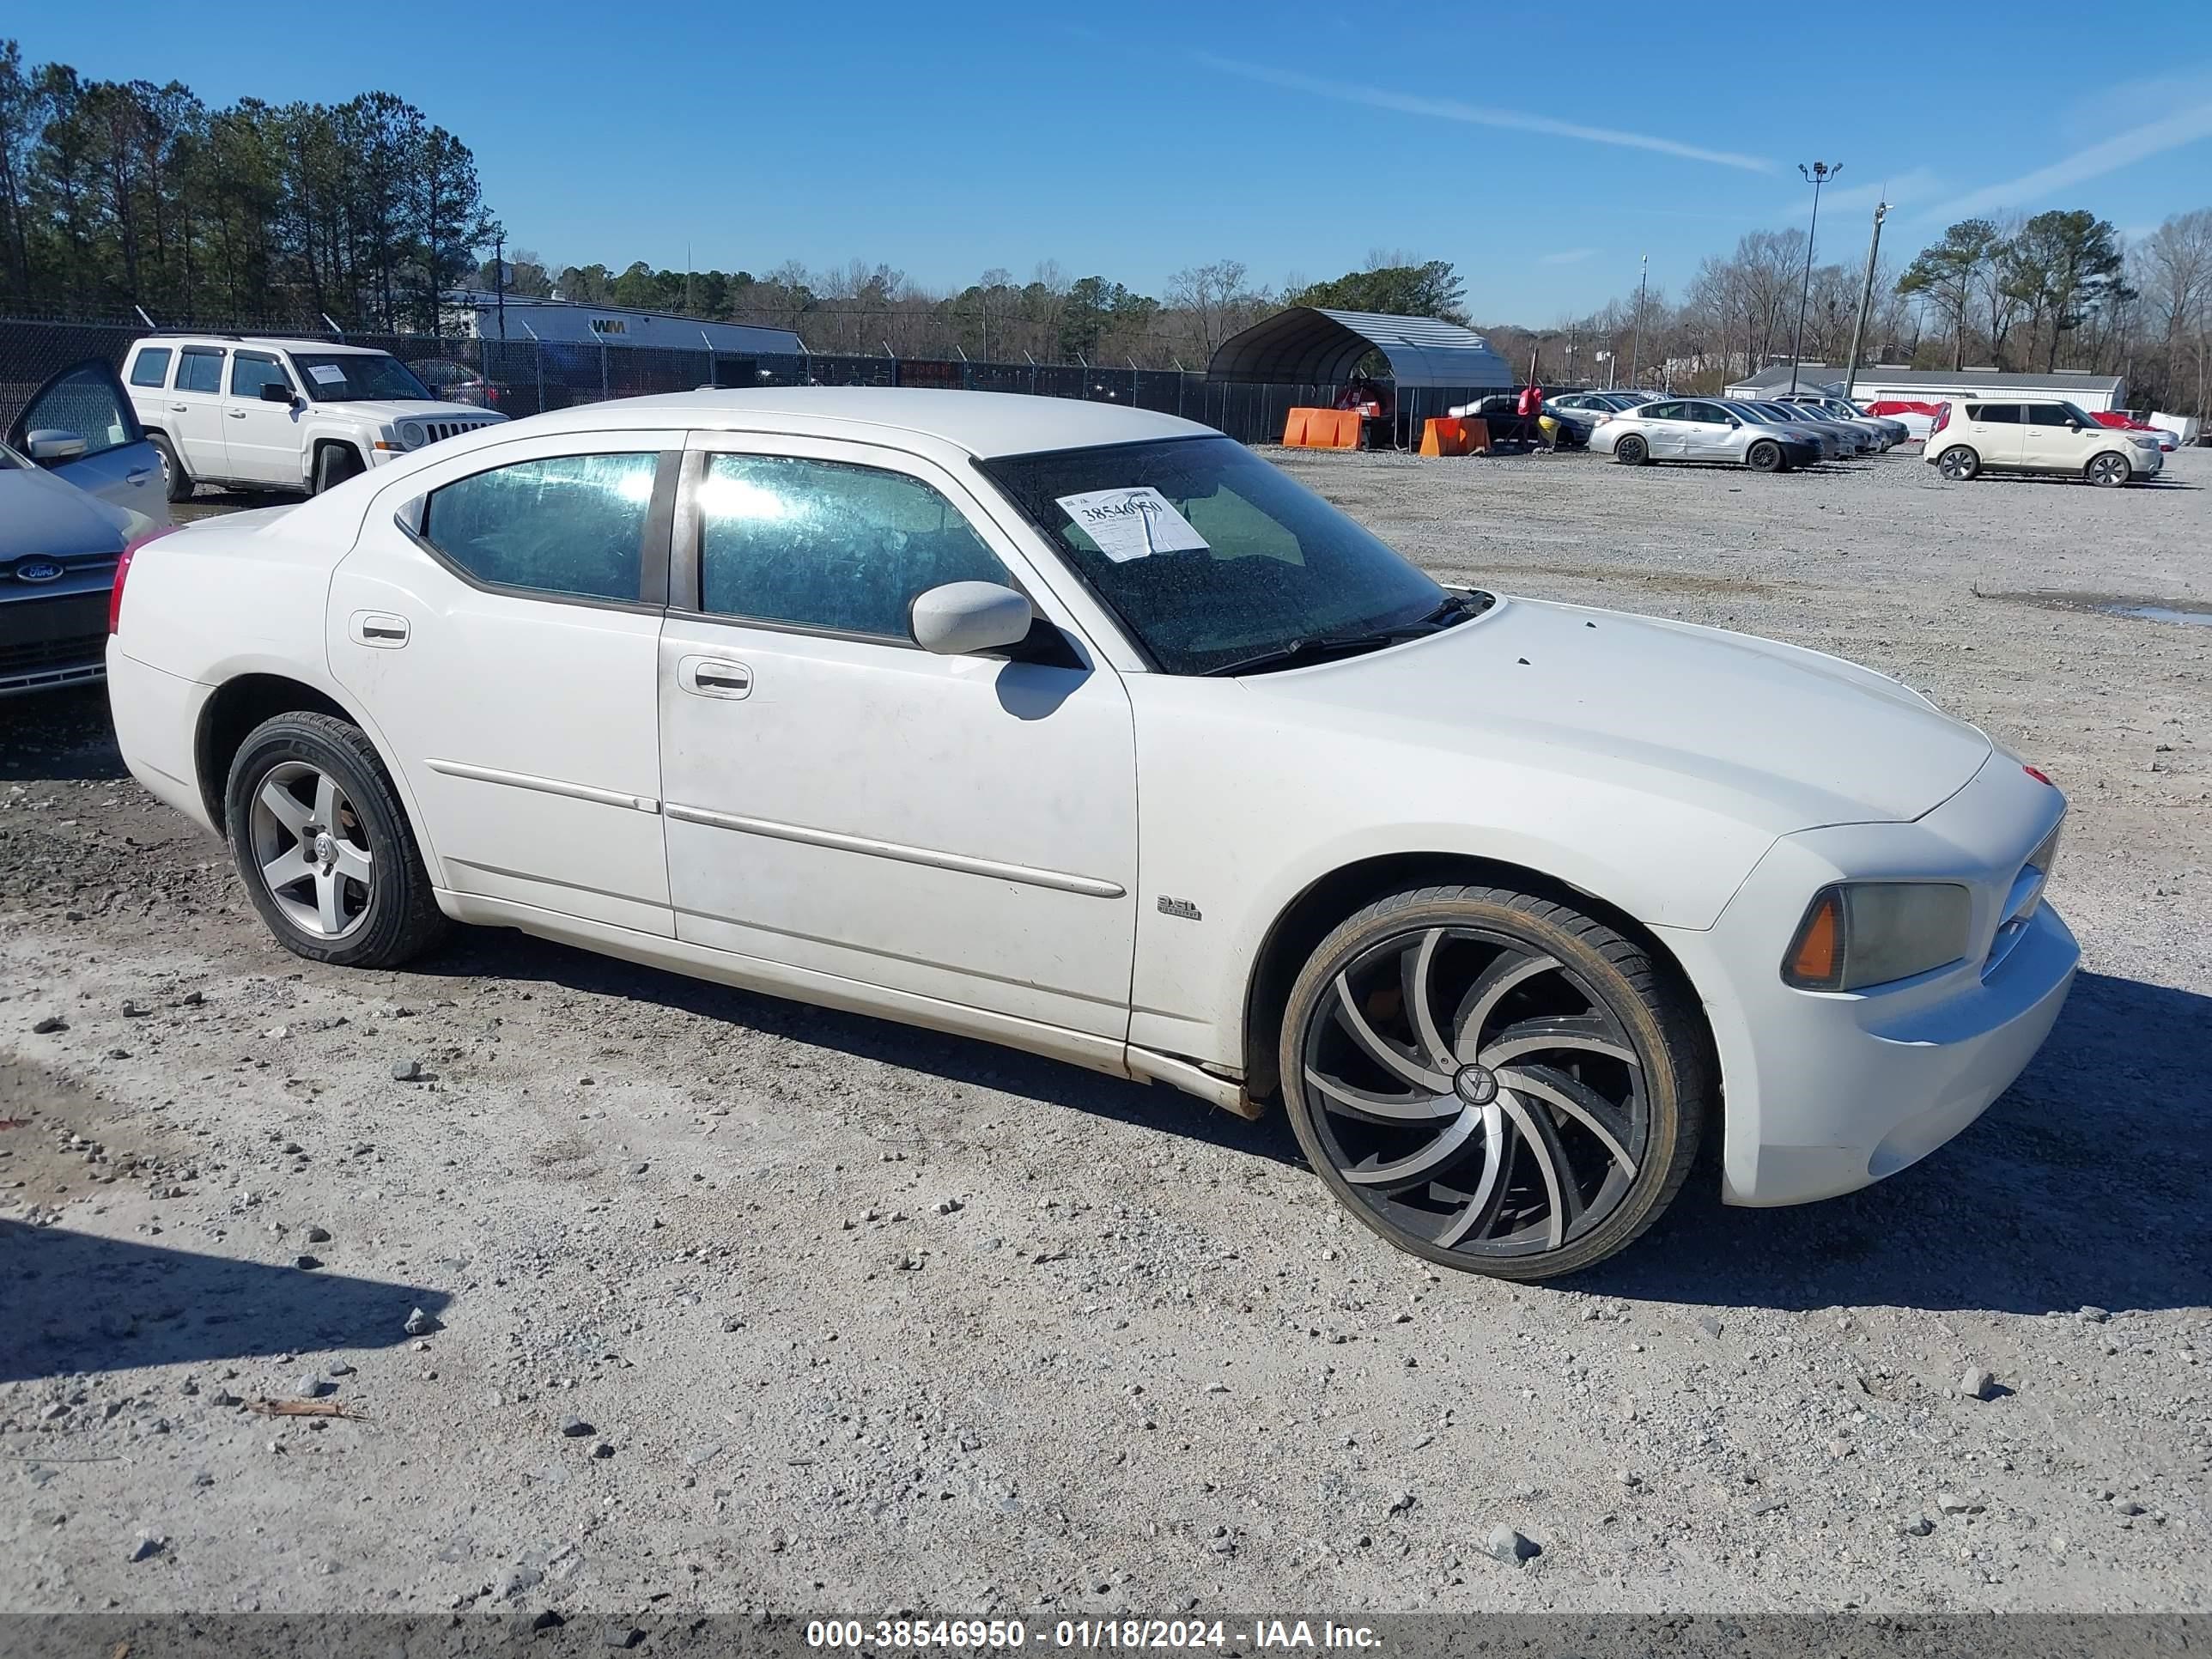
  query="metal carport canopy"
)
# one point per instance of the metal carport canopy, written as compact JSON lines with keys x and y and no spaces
{"x":1306,"y":345}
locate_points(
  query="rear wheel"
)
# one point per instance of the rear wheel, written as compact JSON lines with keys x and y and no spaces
{"x":1631,"y":452}
{"x":1764,"y":456}
{"x":2109,"y":469}
{"x":1959,"y":463}
{"x":176,"y":483}
{"x":325,"y":849}
{"x":335,"y":464}
{"x":1493,"y":1080}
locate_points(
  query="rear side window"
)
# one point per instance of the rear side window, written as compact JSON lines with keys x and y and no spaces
{"x":1994,"y":413}
{"x":573,"y":525}
{"x":824,"y":545}
{"x":200,"y":369}
{"x":150,"y":366}
{"x":1660,"y":411}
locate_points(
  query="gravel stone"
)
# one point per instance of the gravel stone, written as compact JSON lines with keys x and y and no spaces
{"x":418,"y":1323}
{"x":1505,"y":1544}
{"x":576,"y":1428}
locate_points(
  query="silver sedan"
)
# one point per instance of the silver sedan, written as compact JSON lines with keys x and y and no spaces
{"x":1837,"y":442}
{"x":1702,"y":429}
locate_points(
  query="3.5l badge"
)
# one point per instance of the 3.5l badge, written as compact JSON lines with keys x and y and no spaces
{"x":1183,"y":908}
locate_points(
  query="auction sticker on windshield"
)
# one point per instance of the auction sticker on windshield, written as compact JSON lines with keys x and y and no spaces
{"x":327,"y":374}
{"x":1131,"y":524}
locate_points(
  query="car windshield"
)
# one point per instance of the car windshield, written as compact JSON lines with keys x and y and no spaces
{"x":350,"y":376}
{"x":1211,"y":558}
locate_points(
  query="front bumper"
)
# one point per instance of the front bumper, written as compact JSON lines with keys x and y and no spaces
{"x":1826,"y":1092}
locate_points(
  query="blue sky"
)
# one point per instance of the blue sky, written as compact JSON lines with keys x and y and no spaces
{"x":1542,"y":148}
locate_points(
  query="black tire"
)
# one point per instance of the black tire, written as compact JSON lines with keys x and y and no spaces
{"x":176,"y":483}
{"x":1766,"y":456}
{"x":1959,"y":463}
{"x":335,"y":464}
{"x":387,"y":917}
{"x":1552,"y":1194}
{"x":1632,"y":451}
{"x":2108,"y":468}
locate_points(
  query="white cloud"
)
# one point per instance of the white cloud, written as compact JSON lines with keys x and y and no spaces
{"x":1566,"y":256}
{"x":2184,"y":126}
{"x":1449,"y":109}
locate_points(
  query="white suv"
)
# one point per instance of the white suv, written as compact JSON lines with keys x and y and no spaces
{"x":272,"y":413}
{"x":1969,"y":438}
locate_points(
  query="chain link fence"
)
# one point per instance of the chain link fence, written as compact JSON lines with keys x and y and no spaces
{"x":529,"y":376}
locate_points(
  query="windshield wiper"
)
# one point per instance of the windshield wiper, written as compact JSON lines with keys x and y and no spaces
{"x":1312,"y":650}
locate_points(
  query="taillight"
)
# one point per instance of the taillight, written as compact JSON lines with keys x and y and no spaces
{"x":123,"y":571}
{"x":1942,"y":419}
{"x":2038,"y":774}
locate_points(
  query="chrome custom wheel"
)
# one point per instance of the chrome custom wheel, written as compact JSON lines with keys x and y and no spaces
{"x":312,"y":850}
{"x":1493,"y":1080}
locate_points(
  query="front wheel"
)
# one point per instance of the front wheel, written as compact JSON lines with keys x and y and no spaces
{"x":1764,"y":457}
{"x":325,"y":849}
{"x":1959,"y":463}
{"x":335,"y":464}
{"x":1631,"y":452}
{"x":1493,"y":1080}
{"x":2109,"y":470}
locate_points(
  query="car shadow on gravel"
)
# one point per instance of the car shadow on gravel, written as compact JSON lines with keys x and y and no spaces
{"x":80,"y":1303}
{"x":59,"y":737}
{"x":2084,"y":1186}
{"x":964,"y":1060}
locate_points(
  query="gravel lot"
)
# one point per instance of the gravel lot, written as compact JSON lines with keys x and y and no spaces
{"x":731,"y":1303}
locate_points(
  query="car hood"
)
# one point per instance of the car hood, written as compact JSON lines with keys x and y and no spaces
{"x":1783,"y":737}
{"x":398,"y":408}
{"x":40,"y":513}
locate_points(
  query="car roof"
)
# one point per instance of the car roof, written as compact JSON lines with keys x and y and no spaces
{"x":263,"y":342}
{"x":984,"y":423}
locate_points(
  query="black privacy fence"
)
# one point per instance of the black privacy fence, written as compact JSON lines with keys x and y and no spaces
{"x":529,"y":377}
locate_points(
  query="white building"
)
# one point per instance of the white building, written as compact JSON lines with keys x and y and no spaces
{"x":480,"y":314}
{"x":1888,"y":383}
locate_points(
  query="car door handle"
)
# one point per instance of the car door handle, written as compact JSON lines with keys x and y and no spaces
{"x":139,"y":475}
{"x":235,"y":414}
{"x":179,"y":409}
{"x":379,"y":628}
{"x":713,"y":676}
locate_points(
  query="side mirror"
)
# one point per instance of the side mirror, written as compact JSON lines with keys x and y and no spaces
{"x":276,"y":391}
{"x":51,"y":445}
{"x":961,"y":618}
{"x":2073,"y":426}
{"x":1734,"y":422}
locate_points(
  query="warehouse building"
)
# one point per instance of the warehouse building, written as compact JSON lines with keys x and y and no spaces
{"x":1888,"y":383}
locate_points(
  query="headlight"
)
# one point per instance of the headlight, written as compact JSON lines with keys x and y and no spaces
{"x":410,"y":434}
{"x":1868,"y":932}
{"x":2146,"y":443}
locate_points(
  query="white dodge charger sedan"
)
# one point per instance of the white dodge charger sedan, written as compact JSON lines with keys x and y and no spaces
{"x":1086,"y":730}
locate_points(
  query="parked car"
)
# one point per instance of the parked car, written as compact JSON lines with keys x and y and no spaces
{"x":1970,"y":437}
{"x":1843,"y":443}
{"x":1703,"y":430}
{"x":1886,"y":433}
{"x":1915,"y":415}
{"x":1082,"y":729}
{"x":78,"y":484}
{"x":459,"y":383}
{"x":2118,"y":420}
{"x":273,"y":413}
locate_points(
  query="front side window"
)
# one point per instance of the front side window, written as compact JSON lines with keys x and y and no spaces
{"x":348,"y":376}
{"x":2057,"y":415}
{"x":249,"y":373}
{"x":151,"y":367}
{"x":88,"y":403}
{"x":574,"y":524}
{"x":1711,"y":413}
{"x":825,"y":544}
{"x":1212,"y":558}
{"x":200,"y":369}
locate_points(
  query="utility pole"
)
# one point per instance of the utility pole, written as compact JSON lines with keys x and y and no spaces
{"x":1866,"y":298}
{"x":1817,"y":176}
{"x":498,"y":281}
{"x":1636,"y":356}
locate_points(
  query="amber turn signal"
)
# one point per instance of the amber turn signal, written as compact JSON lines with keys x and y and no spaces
{"x":1816,"y":959}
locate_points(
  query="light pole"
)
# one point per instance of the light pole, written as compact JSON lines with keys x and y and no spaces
{"x":1817,"y":176}
{"x":1636,"y":354}
{"x":1866,"y":298}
